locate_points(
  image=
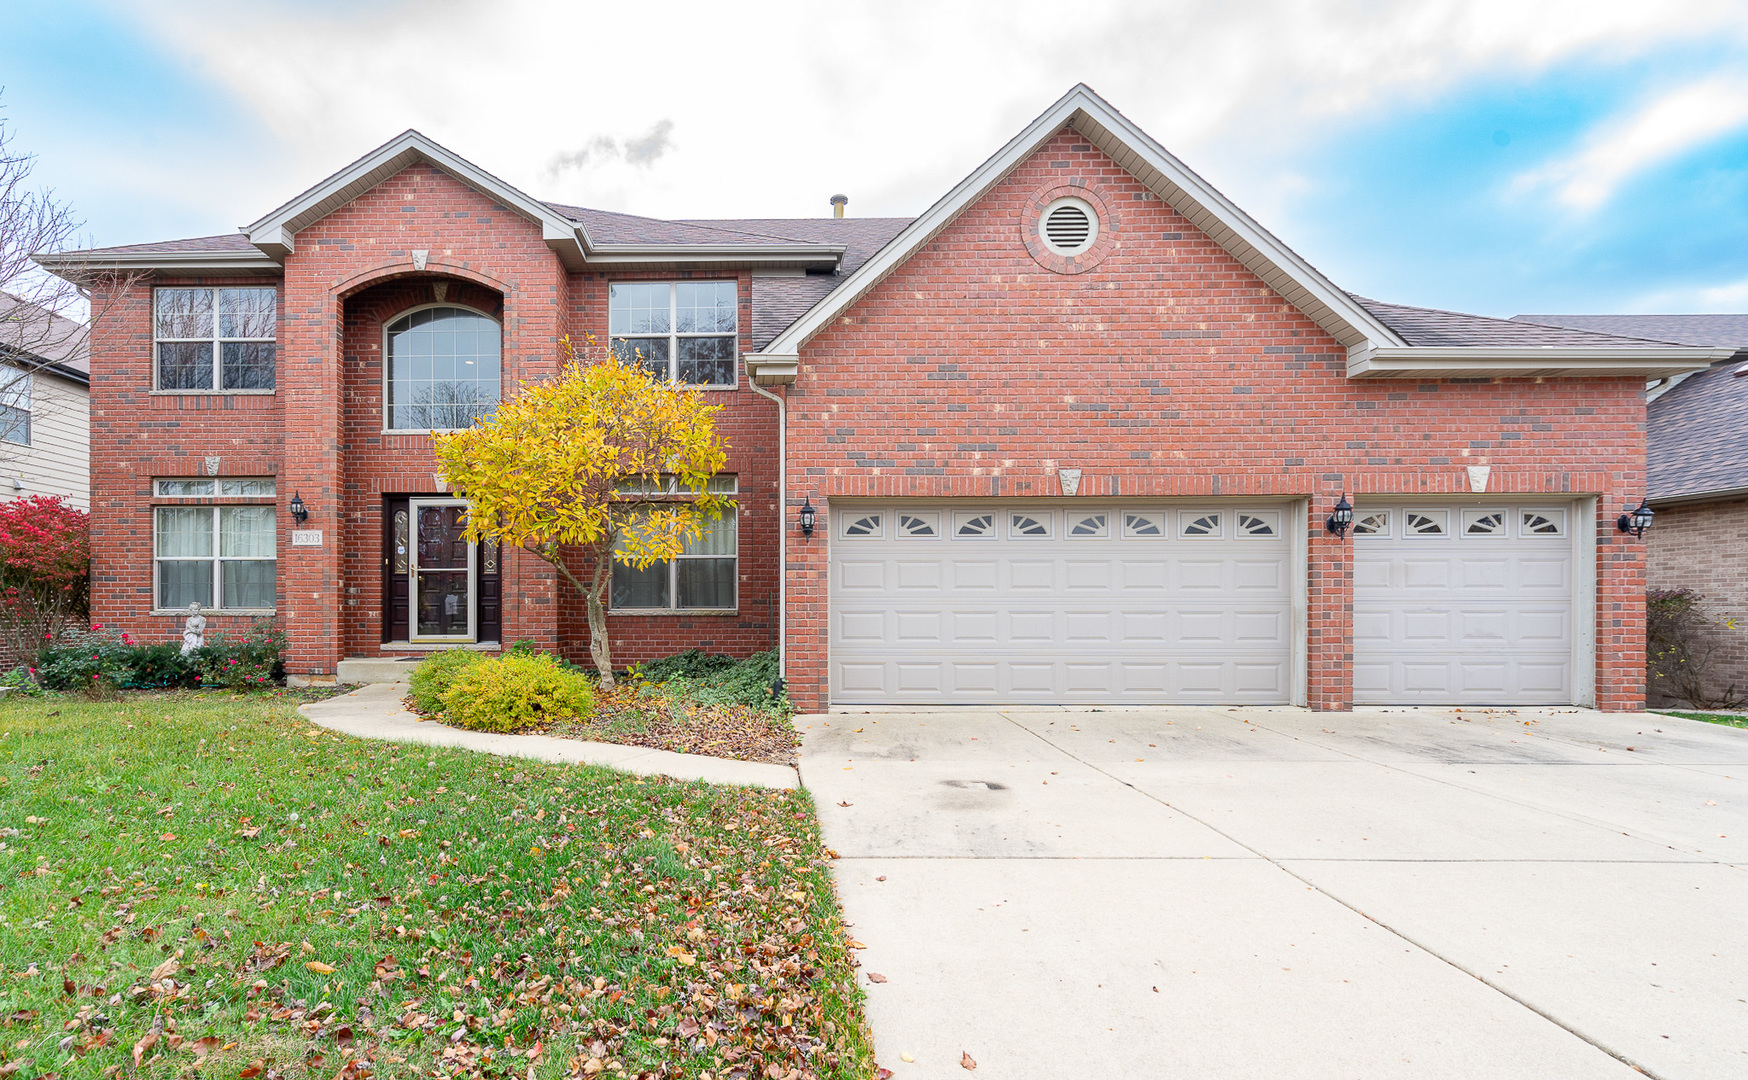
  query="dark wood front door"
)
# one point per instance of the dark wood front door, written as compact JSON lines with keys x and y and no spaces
{"x":436,"y":586}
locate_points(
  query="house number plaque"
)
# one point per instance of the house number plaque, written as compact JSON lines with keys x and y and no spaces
{"x":306,"y":538}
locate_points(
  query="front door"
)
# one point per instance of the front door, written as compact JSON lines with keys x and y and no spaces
{"x":437,"y":587}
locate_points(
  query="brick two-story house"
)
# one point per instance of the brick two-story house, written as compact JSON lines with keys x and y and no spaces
{"x":1073,"y":435}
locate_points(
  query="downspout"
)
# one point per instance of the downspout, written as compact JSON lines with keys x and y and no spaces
{"x":782,"y":529}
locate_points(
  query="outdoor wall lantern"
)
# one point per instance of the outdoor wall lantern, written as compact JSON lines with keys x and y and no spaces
{"x":1341,"y":518}
{"x":299,"y":512}
{"x":805,"y":514}
{"x":1636,"y":521}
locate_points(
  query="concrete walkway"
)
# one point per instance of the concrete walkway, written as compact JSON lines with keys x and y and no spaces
{"x":374,"y":711}
{"x":1277,"y":893}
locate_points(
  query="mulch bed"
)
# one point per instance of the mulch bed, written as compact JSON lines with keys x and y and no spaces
{"x":628,"y":717}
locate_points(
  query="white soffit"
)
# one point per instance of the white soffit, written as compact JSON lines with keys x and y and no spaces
{"x":1258,"y":249}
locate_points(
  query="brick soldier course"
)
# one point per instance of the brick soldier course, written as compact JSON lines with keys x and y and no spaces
{"x":957,"y":356}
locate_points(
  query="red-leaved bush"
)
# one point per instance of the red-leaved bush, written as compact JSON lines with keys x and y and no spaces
{"x":45,"y":573}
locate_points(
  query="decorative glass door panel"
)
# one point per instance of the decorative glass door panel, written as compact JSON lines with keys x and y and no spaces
{"x":442,"y":572}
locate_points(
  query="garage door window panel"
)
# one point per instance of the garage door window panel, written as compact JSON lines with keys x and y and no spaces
{"x":1259,"y":525}
{"x":1376,"y":523}
{"x":974,"y":526}
{"x":1543,"y":523}
{"x":1425,"y":523}
{"x":1089,"y":526}
{"x":1029,"y":526}
{"x":1144,"y":526}
{"x":1199,"y":525}
{"x":1484,"y":523}
{"x":853,"y":526}
{"x":919,"y":525}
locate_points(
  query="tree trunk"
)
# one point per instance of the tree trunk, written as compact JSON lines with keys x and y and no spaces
{"x":594,"y":599}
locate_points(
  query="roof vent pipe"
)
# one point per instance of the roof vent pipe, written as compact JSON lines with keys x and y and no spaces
{"x":838,"y":204}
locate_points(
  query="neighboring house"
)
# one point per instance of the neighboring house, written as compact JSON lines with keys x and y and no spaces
{"x":1073,"y":435}
{"x":1697,"y":476}
{"x":45,"y":422}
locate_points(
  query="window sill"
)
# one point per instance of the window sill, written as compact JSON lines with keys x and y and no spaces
{"x":215,"y":611}
{"x":433,"y":646}
{"x":423,"y":431}
{"x":673,"y":611}
{"x":214,"y":393}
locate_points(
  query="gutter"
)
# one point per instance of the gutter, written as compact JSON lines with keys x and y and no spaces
{"x":1658,"y":502}
{"x":1371,"y":361}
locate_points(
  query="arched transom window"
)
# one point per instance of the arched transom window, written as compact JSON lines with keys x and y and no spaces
{"x":443,"y":369}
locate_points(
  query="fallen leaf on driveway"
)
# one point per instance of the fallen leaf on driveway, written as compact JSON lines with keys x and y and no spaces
{"x":875,"y":976}
{"x":966,"y":1061}
{"x":846,"y":804}
{"x":907,"y":1057}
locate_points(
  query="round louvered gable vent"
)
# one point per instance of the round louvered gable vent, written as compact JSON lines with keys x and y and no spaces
{"x":1068,"y":226}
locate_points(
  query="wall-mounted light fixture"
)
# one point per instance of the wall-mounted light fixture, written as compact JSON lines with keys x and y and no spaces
{"x":1341,"y":518}
{"x":1637,"y":520}
{"x":805,"y":516}
{"x":299,"y":512}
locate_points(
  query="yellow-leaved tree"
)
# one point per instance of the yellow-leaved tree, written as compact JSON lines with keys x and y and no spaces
{"x":601,"y":464}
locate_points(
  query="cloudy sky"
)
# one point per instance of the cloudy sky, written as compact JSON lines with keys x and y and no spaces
{"x":1499,"y":157}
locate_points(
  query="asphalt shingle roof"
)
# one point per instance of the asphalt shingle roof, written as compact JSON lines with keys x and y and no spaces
{"x":1433,"y":328}
{"x":1703,"y":330}
{"x":1699,"y":434}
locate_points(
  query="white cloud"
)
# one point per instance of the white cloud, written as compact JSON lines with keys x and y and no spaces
{"x":1655,"y":132}
{"x":1729,"y":296}
{"x":776,"y":106}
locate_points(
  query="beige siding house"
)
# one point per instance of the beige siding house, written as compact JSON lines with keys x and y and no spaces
{"x":45,"y":410}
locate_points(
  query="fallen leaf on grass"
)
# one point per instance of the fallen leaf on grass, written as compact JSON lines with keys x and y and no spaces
{"x":320,"y":968}
{"x":966,"y":1061}
{"x":141,"y":1048}
{"x":167,"y":837}
{"x":168,"y":967}
{"x":682,"y":955}
{"x":252,"y":1071}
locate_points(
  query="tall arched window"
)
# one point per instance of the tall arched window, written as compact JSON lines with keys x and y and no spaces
{"x":444,"y":365}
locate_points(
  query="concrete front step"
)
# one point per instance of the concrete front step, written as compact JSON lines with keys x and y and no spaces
{"x":357,"y":672}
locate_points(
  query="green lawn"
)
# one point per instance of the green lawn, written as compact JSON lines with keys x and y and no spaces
{"x":1710,"y":718}
{"x":209,"y":881}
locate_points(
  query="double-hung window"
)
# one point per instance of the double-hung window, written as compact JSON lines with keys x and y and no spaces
{"x":215,"y":339}
{"x":221,"y":557}
{"x":14,"y":405}
{"x":701,"y":578}
{"x":682,"y":332}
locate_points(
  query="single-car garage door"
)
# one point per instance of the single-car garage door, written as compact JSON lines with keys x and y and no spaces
{"x":1465,"y":605}
{"x":1007,"y":602}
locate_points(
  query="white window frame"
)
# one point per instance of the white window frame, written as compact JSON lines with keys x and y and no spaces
{"x":388,"y":362}
{"x":674,"y":335}
{"x":15,"y":395}
{"x":720,"y":485}
{"x":216,"y":340}
{"x":216,"y":509}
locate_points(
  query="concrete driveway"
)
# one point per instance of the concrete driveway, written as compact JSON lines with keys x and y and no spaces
{"x":1274,"y":893}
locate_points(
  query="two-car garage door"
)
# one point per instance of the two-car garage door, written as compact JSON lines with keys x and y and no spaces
{"x":1009,"y":603}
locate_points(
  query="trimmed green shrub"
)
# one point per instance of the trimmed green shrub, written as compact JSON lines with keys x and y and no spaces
{"x":715,"y":680}
{"x":516,"y":692}
{"x":249,"y":661}
{"x":94,"y":661}
{"x":156,"y":667}
{"x":436,"y":674}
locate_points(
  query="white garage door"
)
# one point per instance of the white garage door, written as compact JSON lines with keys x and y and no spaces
{"x":1005,"y":602}
{"x":1463,"y":605}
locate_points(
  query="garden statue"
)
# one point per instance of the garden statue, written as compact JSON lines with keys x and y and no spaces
{"x":194,"y":630}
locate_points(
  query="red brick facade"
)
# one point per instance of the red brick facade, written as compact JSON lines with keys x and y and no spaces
{"x":1168,"y":369}
{"x":1156,"y":363}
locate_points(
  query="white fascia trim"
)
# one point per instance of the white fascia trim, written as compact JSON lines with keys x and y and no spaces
{"x":1079,"y":100}
{"x":179,"y":261}
{"x":1555,"y":360}
{"x":274,"y":233}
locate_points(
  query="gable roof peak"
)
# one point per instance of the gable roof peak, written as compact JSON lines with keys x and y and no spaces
{"x":1081,"y":108}
{"x":276,"y":232}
